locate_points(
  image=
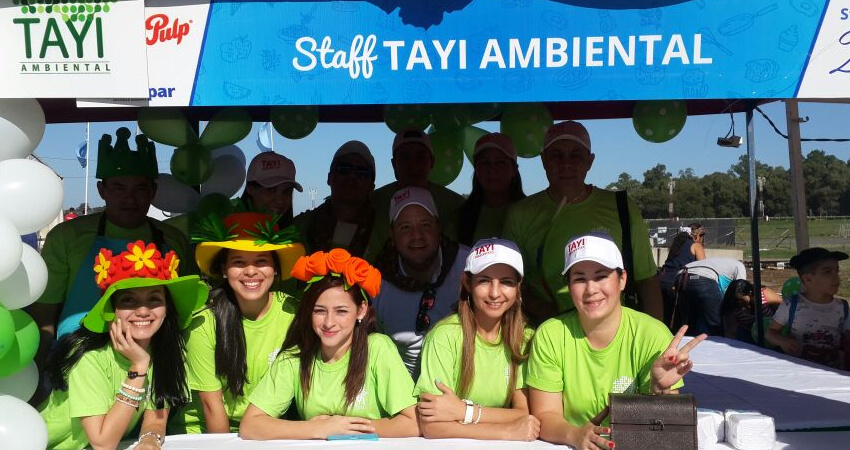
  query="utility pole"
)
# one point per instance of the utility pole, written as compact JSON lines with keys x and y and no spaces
{"x":671,"y":184}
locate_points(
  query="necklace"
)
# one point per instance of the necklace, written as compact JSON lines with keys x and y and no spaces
{"x":584,"y":192}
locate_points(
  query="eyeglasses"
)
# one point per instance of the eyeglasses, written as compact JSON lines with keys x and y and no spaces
{"x":348,"y":169}
{"x":423,"y":321}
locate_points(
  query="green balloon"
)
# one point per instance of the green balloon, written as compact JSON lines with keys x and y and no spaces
{"x":791,"y":287}
{"x":24,"y":346}
{"x":295,"y":122}
{"x":215,"y":203}
{"x":192,"y":164}
{"x":228,"y":126}
{"x":167,"y":126}
{"x":471,"y":135}
{"x":448,"y":156}
{"x":7,"y":331}
{"x":659,"y":120}
{"x":449,"y":117}
{"x":482,"y":112}
{"x":526,"y":125}
{"x":401,"y":117}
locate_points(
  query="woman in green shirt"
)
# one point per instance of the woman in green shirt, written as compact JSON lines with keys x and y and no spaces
{"x":601,"y":347}
{"x":103,"y":373}
{"x":496,"y":185}
{"x":231,"y":344}
{"x":480,"y":353}
{"x":342,"y":377}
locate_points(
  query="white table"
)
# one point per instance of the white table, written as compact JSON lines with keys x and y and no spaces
{"x":730,"y":374}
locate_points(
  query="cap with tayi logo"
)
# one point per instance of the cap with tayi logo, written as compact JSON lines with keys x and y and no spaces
{"x":490,"y":251}
{"x":411,"y":196}
{"x":270,"y":169}
{"x":598,"y":247}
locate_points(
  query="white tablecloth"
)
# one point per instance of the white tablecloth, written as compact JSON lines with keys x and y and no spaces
{"x":796,"y":393}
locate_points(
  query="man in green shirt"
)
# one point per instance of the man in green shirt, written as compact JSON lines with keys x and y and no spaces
{"x":127,"y":185}
{"x":541,"y":225}
{"x":413,"y":159}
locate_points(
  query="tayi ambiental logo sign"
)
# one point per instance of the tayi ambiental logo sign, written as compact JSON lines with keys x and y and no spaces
{"x":63,"y":36}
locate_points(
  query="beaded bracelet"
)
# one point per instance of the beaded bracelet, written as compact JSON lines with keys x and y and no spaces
{"x":133,"y":388}
{"x":159,"y":438}
{"x":136,"y":398}
{"x":128,"y":403}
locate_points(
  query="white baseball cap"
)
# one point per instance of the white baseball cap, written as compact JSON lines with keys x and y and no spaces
{"x":568,"y":130}
{"x":597,"y":247}
{"x":411,"y":196}
{"x":270,"y":169}
{"x":355,"y":148}
{"x":412,"y":135}
{"x":498,"y":141}
{"x":489,"y":251}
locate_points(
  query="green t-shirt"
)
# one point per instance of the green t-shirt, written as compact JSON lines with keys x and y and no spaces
{"x":387,"y":390}
{"x":563,"y":361}
{"x":541,"y":238}
{"x":441,"y":359}
{"x":68,"y":243}
{"x":263,"y":340}
{"x":448,"y":203}
{"x":92,"y":384}
{"x":491,"y":222}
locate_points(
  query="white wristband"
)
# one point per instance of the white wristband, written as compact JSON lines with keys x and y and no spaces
{"x":467,"y":418}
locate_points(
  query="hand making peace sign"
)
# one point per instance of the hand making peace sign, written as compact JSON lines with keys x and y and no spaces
{"x":674,"y":363}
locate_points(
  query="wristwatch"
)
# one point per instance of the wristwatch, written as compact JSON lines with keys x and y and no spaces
{"x":467,"y":417}
{"x":133,"y":375}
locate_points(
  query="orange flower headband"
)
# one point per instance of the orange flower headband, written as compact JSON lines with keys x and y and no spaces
{"x":138,"y":261}
{"x":338,"y":262}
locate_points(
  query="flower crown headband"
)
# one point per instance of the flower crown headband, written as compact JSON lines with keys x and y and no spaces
{"x":339,"y":263}
{"x":140,"y":260}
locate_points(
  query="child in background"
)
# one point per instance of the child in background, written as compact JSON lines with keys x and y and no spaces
{"x":813,"y":324}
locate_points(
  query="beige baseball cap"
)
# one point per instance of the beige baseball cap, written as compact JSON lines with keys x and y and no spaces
{"x":569,"y":130}
{"x":498,"y":141}
{"x":412,"y":135}
{"x":270,"y":169}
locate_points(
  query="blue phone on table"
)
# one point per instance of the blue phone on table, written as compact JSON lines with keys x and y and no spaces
{"x":353,"y":437}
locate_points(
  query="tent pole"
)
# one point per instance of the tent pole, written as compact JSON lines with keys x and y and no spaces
{"x":754,"y":224}
{"x":798,"y":186}
{"x":88,"y":144}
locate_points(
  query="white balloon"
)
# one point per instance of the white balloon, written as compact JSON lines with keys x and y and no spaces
{"x":21,"y":384}
{"x":228,"y":176}
{"x":22,"y":127}
{"x":30,"y":193}
{"x":230,"y":150}
{"x":10,"y":242}
{"x":21,"y":427}
{"x":174,"y":196}
{"x":26,"y":284}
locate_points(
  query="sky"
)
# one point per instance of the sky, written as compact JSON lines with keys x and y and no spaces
{"x":617,"y":146}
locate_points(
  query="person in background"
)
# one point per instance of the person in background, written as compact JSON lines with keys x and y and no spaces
{"x":345,"y":218}
{"x":269,"y":184}
{"x":700,"y":287}
{"x":542,"y":223}
{"x":479,"y":355}
{"x":421,"y":271}
{"x":127,"y":185}
{"x":813,"y":324}
{"x":231,"y":344}
{"x":342,"y":376}
{"x":580,"y":357}
{"x":739,"y":310}
{"x":686,"y":248}
{"x":71,"y":214}
{"x":496,"y":185}
{"x":126,"y":363}
{"x":413,"y":160}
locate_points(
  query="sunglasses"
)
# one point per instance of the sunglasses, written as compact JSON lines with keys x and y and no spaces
{"x":348,"y":169}
{"x":423,"y":321}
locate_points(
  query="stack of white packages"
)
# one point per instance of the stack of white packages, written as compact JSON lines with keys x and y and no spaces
{"x":750,"y":430}
{"x":710,"y":428}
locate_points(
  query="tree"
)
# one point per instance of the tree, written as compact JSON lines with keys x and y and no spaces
{"x":826,"y":182}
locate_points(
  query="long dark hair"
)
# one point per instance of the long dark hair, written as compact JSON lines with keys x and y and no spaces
{"x":303,"y":342}
{"x":167,"y":349}
{"x":285,"y":219}
{"x":512,"y":329}
{"x":681,"y":238}
{"x":471,"y":207}
{"x":231,"y":354}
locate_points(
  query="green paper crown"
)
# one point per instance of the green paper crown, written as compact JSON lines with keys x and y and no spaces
{"x":121,"y":161}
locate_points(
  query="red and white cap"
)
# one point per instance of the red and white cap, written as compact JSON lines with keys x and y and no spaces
{"x":490,"y":251}
{"x":411,"y":196}
{"x":498,"y":141}
{"x":270,"y":169}
{"x":412,"y":135}
{"x":569,"y":130}
{"x":598,"y":247}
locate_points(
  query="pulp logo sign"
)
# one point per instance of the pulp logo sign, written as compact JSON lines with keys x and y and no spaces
{"x":160,"y":28}
{"x":484,"y":250}
{"x":576,"y":245}
{"x":62,"y":36}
